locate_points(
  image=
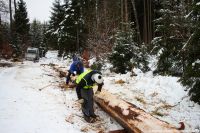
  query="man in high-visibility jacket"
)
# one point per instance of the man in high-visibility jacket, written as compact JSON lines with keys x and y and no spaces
{"x":84,"y":89}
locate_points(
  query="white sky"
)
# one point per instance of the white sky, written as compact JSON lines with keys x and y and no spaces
{"x":39,"y":9}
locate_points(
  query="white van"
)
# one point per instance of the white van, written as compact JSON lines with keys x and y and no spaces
{"x":32,"y":54}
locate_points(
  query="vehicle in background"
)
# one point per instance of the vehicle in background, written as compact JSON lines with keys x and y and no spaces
{"x":32,"y":54}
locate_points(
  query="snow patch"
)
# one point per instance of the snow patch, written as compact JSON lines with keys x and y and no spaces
{"x":125,"y":112}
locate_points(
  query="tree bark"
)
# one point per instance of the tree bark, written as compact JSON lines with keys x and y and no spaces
{"x":10,"y":9}
{"x":147,"y":28}
{"x":145,"y":25}
{"x":97,"y":14}
{"x":15,"y":5}
{"x":122,"y":14}
{"x":149,"y":22}
{"x":137,"y":22}
{"x":126,"y":14}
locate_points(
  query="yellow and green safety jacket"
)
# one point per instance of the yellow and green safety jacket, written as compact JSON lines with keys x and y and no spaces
{"x":84,"y":80}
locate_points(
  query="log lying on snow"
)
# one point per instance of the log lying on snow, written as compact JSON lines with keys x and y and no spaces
{"x":130,"y":117}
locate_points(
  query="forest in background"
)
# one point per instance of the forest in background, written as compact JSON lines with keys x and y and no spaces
{"x":125,"y":32}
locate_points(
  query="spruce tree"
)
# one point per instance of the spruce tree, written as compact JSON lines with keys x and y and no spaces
{"x":1,"y":35}
{"x":55,"y":26}
{"x":21,"y":27}
{"x":4,"y":34}
{"x":45,"y":35}
{"x":73,"y":25}
{"x":127,"y":54}
{"x":68,"y":31}
{"x":169,"y":37}
{"x":57,"y":15}
{"x":191,"y":76}
{"x":36,"y":34}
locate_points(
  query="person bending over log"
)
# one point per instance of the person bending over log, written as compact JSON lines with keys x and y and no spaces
{"x":84,"y":90}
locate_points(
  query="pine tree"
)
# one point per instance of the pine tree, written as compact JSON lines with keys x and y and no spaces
{"x":191,"y":76}
{"x":21,"y":27}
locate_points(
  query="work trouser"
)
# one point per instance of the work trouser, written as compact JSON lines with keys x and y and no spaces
{"x":88,"y":104}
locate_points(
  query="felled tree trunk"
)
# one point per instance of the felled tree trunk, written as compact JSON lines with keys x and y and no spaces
{"x":130,"y":117}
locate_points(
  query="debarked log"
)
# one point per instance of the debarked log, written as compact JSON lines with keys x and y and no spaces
{"x":130,"y":117}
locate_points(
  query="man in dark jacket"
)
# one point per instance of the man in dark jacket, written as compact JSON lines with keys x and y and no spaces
{"x":76,"y":68}
{"x":85,"y":83}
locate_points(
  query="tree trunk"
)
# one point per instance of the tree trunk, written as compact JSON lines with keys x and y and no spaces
{"x":15,"y":5}
{"x":126,"y":14}
{"x":10,"y":9}
{"x":130,"y":117}
{"x":105,"y":6}
{"x":137,"y":22}
{"x":145,"y":25}
{"x":0,"y":19}
{"x":122,"y":14}
{"x":147,"y":28}
{"x":149,"y":23}
{"x":97,"y":15}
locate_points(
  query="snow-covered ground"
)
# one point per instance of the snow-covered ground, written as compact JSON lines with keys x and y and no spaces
{"x":31,"y":100}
